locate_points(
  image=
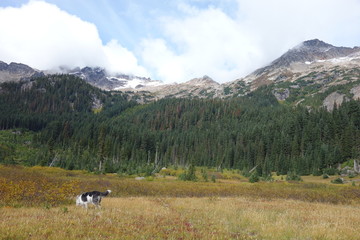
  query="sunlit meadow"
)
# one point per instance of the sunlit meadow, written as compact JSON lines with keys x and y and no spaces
{"x":38,"y":203}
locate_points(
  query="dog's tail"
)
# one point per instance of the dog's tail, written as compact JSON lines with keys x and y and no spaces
{"x":105,"y":193}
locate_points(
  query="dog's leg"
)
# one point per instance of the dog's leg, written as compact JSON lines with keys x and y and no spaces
{"x":97,"y":205}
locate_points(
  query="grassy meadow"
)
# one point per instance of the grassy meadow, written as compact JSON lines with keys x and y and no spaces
{"x":38,"y":203}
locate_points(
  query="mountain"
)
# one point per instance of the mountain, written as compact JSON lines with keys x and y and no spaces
{"x":203,"y":87}
{"x":310,"y":73}
{"x":309,"y":51}
{"x":100,"y":78}
{"x":313,"y":73}
{"x":312,"y":69}
{"x":96,"y":76}
{"x":307,"y":56}
{"x":16,"y":72}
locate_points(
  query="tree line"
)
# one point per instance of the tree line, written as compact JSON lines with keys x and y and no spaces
{"x":238,"y":133}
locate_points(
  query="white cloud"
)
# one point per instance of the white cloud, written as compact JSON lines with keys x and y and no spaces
{"x":209,"y":41}
{"x":223,"y":39}
{"x":43,"y":36}
{"x":278,"y":25}
{"x":158,"y":57}
{"x":122,"y":60}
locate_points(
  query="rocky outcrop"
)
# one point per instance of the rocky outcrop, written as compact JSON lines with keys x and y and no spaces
{"x":204,"y":81}
{"x":347,"y":171}
{"x":16,"y":71}
{"x":356,"y":92}
{"x":100,"y":78}
{"x":334,"y":98}
{"x":204,"y":87}
{"x":281,"y":94}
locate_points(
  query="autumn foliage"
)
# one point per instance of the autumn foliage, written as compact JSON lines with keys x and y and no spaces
{"x":49,"y":186}
{"x":21,"y":186}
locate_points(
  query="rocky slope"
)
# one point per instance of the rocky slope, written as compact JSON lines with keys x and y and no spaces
{"x":309,"y":56}
{"x":97,"y":77}
{"x":100,"y":78}
{"x":16,"y":72}
{"x":312,"y":69}
{"x":203,"y":87}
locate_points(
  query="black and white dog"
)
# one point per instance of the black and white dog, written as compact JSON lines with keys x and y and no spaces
{"x":93,"y":197}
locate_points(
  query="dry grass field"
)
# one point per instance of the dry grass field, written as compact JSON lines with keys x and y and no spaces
{"x":185,"y":218}
{"x":38,"y":203}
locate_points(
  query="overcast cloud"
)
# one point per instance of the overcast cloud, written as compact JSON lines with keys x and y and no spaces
{"x":173,"y":41}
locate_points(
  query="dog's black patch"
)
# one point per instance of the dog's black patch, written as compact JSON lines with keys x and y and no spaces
{"x":84,"y":196}
{"x":94,"y":194}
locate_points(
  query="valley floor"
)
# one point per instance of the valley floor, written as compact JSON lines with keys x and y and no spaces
{"x":185,"y":218}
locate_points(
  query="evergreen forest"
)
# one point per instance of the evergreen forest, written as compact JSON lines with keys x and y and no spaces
{"x":73,"y":125}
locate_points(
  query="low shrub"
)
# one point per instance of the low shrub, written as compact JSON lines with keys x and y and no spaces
{"x":213,"y":178}
{"x":189,"y":174}
{"x":254,"y":177}
{"x":316,"y":172}
{"x":352,"y":175}
{"x":331,"y":171}
{"x":168,"y":172}
{"x":204,"y":174}
{"x":292,"y":176}
{"x":338,"y":181}
{"x":268,"y":178}
{"x":27,"y":187}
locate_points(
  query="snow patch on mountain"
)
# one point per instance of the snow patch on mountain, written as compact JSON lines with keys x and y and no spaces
{"x":136,"y":83}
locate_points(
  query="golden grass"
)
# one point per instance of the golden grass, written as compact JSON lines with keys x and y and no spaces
{"x":185,"y":218}
{"x":35,"y":186}
{"x":38,"y":203}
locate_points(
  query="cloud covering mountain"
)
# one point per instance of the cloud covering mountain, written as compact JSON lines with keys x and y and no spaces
{"x":41,"y":34}
{"x":172,"y":40}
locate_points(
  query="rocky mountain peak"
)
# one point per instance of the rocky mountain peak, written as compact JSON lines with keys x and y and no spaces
{"x":203,"y":81}
{"x":16,"y":68}
{"x":99,"y":77}
{"x":16,"y":72}
{"x":308,"y":51}
{"x":316,"y":43}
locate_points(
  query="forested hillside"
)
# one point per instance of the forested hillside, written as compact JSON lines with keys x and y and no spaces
{"x":76,"y":126}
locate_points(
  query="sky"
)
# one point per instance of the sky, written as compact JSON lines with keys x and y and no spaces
{"x":169,"y":40}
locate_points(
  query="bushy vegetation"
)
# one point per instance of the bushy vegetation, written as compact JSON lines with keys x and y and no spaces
{"x":30,"y":187}
{"x":49,"y":186}
{"x":254,"y":177}
{"x":338,"y":181}
{"x":189,"y":174}
{"x":292,"y":176}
